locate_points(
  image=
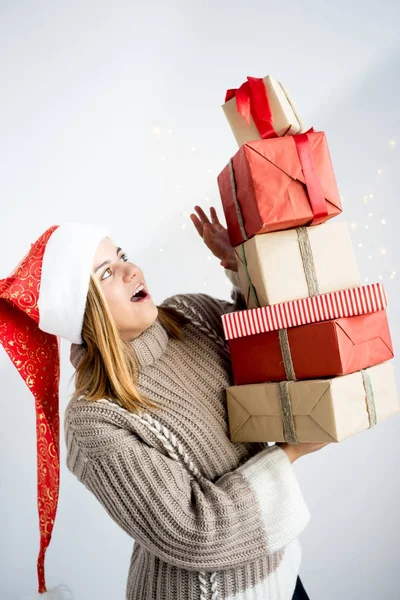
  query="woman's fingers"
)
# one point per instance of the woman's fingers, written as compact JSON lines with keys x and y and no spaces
{"x":208,"y":230}
{"x":197,"y":223}
{"x":202,"y":215}
{"x":214,"y":216}
{"x":204,"y":219}
{"x":203,"y":229}
{"x":215,"y":236}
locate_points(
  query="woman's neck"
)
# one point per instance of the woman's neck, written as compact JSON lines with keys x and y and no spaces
{"x":151,"y":344}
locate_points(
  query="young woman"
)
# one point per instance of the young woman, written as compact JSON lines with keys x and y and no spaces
{"x":147,"y":434}
{"x":146,"y":429}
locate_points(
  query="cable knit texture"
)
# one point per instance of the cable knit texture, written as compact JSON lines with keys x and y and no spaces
{"x":210,"y":519}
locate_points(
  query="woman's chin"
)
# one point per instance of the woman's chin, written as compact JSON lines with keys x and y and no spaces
{"x":146,"y":312}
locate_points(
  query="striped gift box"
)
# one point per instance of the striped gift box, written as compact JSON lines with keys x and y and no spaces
{"x":344,"y":303}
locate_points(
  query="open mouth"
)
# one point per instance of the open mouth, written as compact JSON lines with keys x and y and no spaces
{"x":140,"y":294}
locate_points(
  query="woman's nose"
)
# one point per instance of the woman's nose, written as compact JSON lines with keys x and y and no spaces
{"x":130,"y":271}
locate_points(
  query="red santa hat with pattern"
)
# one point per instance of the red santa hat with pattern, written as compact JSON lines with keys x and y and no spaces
{"x":42,"y":300}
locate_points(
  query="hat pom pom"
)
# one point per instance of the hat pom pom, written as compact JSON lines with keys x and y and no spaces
{"x":61,"y":592}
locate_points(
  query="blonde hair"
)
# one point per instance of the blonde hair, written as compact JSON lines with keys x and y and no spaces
{"x":109,"y":367}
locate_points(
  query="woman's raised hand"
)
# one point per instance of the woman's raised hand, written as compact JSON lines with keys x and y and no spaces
{"x":215,"y":236}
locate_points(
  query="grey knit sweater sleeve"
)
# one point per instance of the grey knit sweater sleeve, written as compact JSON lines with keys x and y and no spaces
{"x":189,"y":522}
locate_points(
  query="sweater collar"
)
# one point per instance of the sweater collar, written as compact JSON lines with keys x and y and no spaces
{"x":150,"y":344}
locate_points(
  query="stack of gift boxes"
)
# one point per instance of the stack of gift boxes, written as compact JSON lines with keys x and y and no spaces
{"x":311,"y":354}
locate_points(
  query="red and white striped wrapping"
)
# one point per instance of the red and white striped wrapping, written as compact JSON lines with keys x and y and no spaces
{"x":344,"y":303}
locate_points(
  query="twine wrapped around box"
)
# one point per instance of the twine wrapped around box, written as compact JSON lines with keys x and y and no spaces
{"x":287,"y":415}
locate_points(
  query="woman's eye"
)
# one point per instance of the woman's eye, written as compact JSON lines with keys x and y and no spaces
{"x":124,"y":257}
{"x":102,"y":277}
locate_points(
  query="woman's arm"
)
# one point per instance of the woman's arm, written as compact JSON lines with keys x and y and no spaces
{"x":237,"y":296}
{"x":187,"y":521}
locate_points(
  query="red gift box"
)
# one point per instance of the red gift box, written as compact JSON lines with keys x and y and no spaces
{"x":279,"y":183}
{"x":324,"y":307}
{"x":318,"y":350}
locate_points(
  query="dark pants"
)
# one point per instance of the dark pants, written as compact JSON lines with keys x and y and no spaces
{"x":299,"y":592}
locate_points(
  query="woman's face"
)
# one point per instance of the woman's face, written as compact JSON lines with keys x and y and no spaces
{"x":119,"y":280}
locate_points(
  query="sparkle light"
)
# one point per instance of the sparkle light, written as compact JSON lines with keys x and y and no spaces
{"x":393,"y":273}
{"x":162,"y":158}
{"x":383,"y":221}
{"x":380,"y":276}
{"x":205,"y":284}
{"x":354,"y":225}
{"x":208,"y":257}
{"x":161,"y":250}
{"x":169,"y":130}
{"x":370,"y":214}
{"x":380,"y":171}
{"x":209,"y":170}
{"x":178,"y":187}
{"x":367,"y":227}
{"x":369,"y":256}
{"x":360,"y":245}
{"x":185,"y":214}
{"x":366,"y":279}
{"x":371,"y":196}
{"x":392,"y":143}
{"x":193,"y":149}
{"x":383,"y":251}
{"x":156,"y":131}
{"x":183,"y":226}
{"x":208,"y":199}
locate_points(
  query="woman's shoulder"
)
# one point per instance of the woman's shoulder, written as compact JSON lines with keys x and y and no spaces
{"x":198,"y":304}
{"x":79,"y":411}
{"x":99,"y":425}
{"x":202,"y":307}
{"x":199,"y":308}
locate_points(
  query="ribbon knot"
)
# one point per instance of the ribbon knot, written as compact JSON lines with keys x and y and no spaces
{"x":252,"y":101}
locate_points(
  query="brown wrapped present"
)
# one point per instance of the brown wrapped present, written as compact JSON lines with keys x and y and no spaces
{"x":314,"y":410}
{"x":296,"y":263}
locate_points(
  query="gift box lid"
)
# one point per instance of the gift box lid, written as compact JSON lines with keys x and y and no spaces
{"x":324,"y":307}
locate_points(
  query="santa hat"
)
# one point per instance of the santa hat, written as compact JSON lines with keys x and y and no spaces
{"x":42,"y":300}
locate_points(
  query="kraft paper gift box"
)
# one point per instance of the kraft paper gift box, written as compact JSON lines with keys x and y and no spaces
{"x":324,"y":349}
{"x":319,"y":410}
{"x":275,"y":184}
{"x":261,"y":107}
{"x":296,"y":263}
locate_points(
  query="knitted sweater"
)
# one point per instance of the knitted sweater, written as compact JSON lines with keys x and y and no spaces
{"x":210,"y":519}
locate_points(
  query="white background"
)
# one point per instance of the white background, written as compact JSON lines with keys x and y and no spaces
{"x":110,"y":114}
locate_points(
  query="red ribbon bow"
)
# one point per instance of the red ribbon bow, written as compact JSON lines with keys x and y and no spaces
{"x":252,"y":101}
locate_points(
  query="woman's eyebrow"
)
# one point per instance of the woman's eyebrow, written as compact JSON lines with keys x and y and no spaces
{"x":106,"y":262}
